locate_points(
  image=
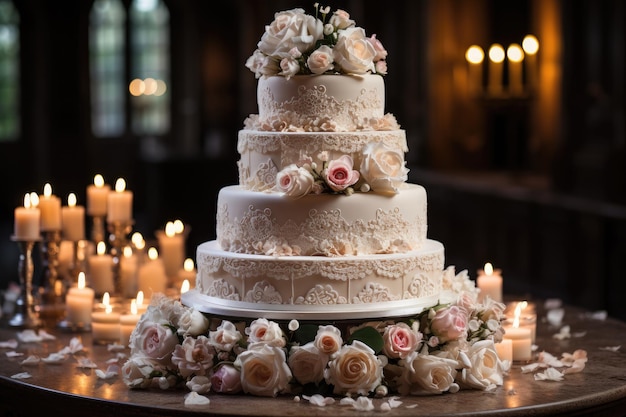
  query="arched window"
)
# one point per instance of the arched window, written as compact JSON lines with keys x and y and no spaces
{"x":9,"y":72}
{"x":145,"y":93}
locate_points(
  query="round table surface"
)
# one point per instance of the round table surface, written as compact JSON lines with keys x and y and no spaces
{"x":65,"y":389}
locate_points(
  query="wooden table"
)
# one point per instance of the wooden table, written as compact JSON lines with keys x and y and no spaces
{"x":67,"y":390}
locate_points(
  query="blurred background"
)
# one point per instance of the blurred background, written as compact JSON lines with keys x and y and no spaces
{"x":524,"y":158}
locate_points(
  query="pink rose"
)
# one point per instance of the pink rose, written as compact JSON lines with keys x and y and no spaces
{"x":295,"y":181}
{"x":328,"y":339}
{"x":289,"y":67}
{"x":339,"y":173}
{"x":225,"y":337}
{"x":400,"y":340}
{"x":449,"y":323}
{"x":290,"y":29}
{"x":266,"y":332}
{"x":194,"y":356}
{"x":320,"y":60}
{"x":381,"y":52}
{"x":153,"y":340}
{"x":341,"y":19}
{"x":226,"y":380}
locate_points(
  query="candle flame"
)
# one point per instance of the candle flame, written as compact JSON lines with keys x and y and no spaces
{"x":179,"y":226}
{"x":530,"y":44}
{"x":71,"y":200}
{"x":128,"y":251}
{"x":58,"y":287}
{"x":108,"y":309}
{"x":106,"y":299}
{"x":81,"y":280}
{"x":138,"y":241}
{"x":120,"y":185}
{"x":153,"y":253}
{"x":133,"y":306}
{"x":139,"y":298}
{"x":34,"y":199}
{"x":518,"y":312}
{"x":27,"y":203}
{"x":488,"y":268}
{"x":98,"y":181}
{"x":170,"y":231}
{"x":514,"y":53}
{"x":188,"y":265}
{"x":474,"y":54}
{"x":184,"y":287}
{"x":47,"y":190}
{"x":101,"y":248}
{"x":496,"y":53}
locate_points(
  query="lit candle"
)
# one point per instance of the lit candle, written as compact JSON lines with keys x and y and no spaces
{"x":73,"y":220}
{"x":79,"y":303}
{"x":515,"y":56}
{"x":128,"y":322}
{"x":105,"y":325}
{"x":120,"y":203}
{"x":128,"y":272}
{"x":188,"y":273}
{"x":152,"y":276}
{"x":504,"y":349}
{"x":489,"y":282}
{"x":520,"y":339}
{"x":141,"y":306}
{"x":530,"y":44}
{"x":97,"y":195}
{"x":525,"y":314}
{"x":475,"y":57}
{"x":27,"y":219}
{"x":496,"y":58}
{"x":50,"y":206}
{"x":172,"y":249}
{"x":101,"y":270}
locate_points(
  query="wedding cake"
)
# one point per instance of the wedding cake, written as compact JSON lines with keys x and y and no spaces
{"x":323,"y":223}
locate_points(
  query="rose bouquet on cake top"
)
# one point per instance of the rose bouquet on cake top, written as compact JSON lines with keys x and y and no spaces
{"x":298,"y":43}
{"x":444,"y":348}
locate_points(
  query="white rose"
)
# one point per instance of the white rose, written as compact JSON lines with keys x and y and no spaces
{"x":383,"y":167}
{"x":192,"y":323}
{"x":486,"y":368}
{"x":261,"y":65}
{"x":353,"y":52}
{"x":354,"y":370}
{"x":320,"y":60}
{"x":136,"y":372}
{"x":289,"y":67}
{"x":264,"y":370}
{"x":225,"y":337}
{"x":295,"y":181}
{"x":307,"y":363}
{"x":290,"y":29}
{"x":427,"y":374}
{"x":328,"y":339}
{"x":265,"y":332}
{"x":153,"y":340}
{"x":341,"y":19}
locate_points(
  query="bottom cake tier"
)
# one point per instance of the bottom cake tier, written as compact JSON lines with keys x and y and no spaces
{"x":307,"y":287}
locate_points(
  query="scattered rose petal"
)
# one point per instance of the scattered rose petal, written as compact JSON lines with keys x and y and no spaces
{"x":394,"y":402}
{"x":549,"y":374}
{"x":76,"y":345}
{"x":550,"y":360}
{"x":555,"y":316}
{"x":597,"y":315}
{"x":22,"y":375}
{"x":193,"y":398}
{"x":385,"y":407}
{"x":112,"y":361}
{"x":564,"y":333}
{"x":296,"y":399}
{"x":199,"y":384}
{"x":9,"y":344}
{"x":552,"y":303}
{"x":531,"y":367}
{"x":579,"y":334}
{"x":86,"y":363}
{"x":363,"y":404}
{"x":111,"y":372}
{"x":347,"y":401}
{"x":319,"y":400}
{"x":115,"y":347}
{"x":611,"y":348}
{"x":13,"y":354}
{"x":31,"y":360}
{"x":44,"y":335}
{"x":54,"y":358}
{"x":569,"y":358}
{"x":411,"y":406}
{"x":28,"y":336}
{"x":576,"y":367}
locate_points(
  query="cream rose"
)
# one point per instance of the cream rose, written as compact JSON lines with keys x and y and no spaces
{"x":449,"y":323}
{"x":427,"y":374}
{"x":354,"y":370}
{"x":265,"y":332}
{"x":295,"y":181}
{"x":340,"y":174}
{"x":136,"y":372}
{"x":400,"y":340}
{"x":290,"y":29}
{"x":307,"y":363}
{"x":320,"y":60}
{"x":261,"y":65}
{"x":194,"y":356}
{"x":486,"y":368}
{"x":383,"y":167}
{"x":341,"y":19}
{"x":225,"y":337}
{"x":328,"y":339}
{"x":353,"y":52}
{"x":153,"y":340}
{"x":289,"y":67}
{"x":264,"y":370}
{"x":192,"y":323}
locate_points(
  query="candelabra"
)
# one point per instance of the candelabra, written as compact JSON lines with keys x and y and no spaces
{"x":97,"y":229}
{"x":26,"y":314}
{"x":118,"y":238}
{"x":52,"y":288}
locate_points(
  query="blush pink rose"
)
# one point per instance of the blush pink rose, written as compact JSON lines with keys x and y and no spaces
{"x":449,"y":323}
{"x":194,"y":356}
{"x":400,"y":340}
{"x":381,"y":52}
{"x":154,"y":340}
{"x":226,"y":380}
{"x":339,"y":173}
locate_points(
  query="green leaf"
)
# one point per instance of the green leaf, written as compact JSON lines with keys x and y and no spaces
{"x":370,"y":336}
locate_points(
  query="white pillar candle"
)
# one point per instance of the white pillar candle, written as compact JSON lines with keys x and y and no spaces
{"x":505,"y":350}
{"x":101,"y":270}
{"x":120,"y":203}
{"x":152,"y":278}
{"x":97,"y":196}
{"x":79,"y":303}
{"x":50,"y":206}
{"x":515,"y":56}
{"x":489,"y":282}
{"x":27,"y":220}
{"x":496,"y":59}
{"x":105,"y":326}
{"x":520,"y":341}
{"x":128,"y":322}
{"x":73,"y":220}
{"x":171,"y":250}
{"x":523,"y":313}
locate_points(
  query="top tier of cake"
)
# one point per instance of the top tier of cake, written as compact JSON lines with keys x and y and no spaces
{"x":323,"y":103}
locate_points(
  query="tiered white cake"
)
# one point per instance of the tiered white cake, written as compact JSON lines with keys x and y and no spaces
{"x":298,"y":248}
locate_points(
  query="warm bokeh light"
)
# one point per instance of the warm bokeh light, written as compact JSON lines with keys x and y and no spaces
{"x":47,"y":190}
{"x":71,"y":200}
{"x":514,"y":53}
{"x":127,"y":251}
{"x":101,"y":248}
{"x":188,"y":265}
{"x":161,"y":88}
{"x":496,"y":53}
{"x":27,"y":202}
{"x":136,"y":87}
{"x":530,"y":44}
{"x":170,"y":230}
{"x":474,"y":54}
{"x":488,"y":269}
{"x":98,"y":181}
{"x":179,"y":226}
{"x":153,"y":253}
{"x":120,"y":185}
{"x":184,"y":287}
{"x":34,"y":199}
{"x":139,"y":298}
{"x":106,"y":299}
{"x":150,"y":86}
{"x":81,"y":280}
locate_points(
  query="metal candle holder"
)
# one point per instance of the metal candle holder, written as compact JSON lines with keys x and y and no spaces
{"x":26,"y":314}
{"x":52,"y":300}
{"x":97,"y":229}
{"x":118,"y":238}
